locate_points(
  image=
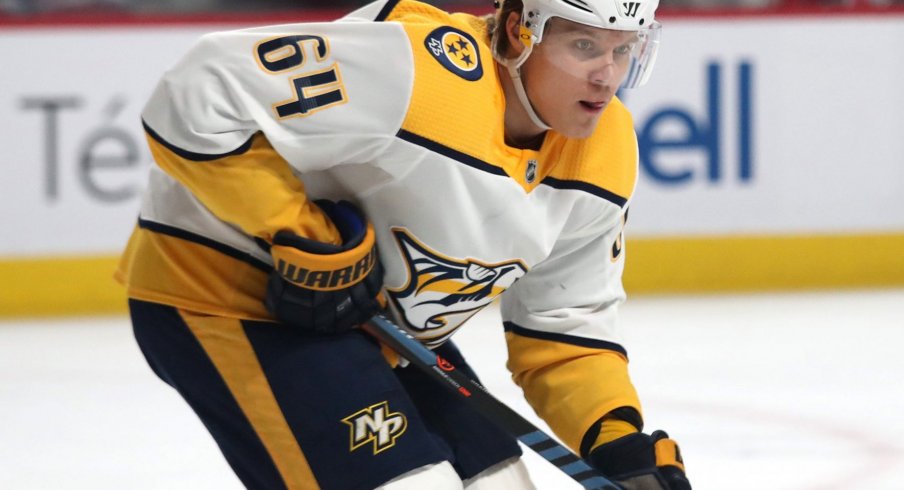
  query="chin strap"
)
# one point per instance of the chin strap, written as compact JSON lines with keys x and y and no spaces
{"x":514,"y":70}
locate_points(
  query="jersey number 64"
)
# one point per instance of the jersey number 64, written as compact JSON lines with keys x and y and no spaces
{"x":311,"y":90}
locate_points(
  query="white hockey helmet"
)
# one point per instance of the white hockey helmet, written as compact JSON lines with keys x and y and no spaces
{"x":620,"y":15}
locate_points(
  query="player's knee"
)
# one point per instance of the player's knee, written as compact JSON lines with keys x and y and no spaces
{"x":511,"y":473}
{"x":439,"y":476}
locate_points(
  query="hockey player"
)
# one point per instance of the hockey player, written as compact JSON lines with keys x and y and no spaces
{"x":406,"y":159}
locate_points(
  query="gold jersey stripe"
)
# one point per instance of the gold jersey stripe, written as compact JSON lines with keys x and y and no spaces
{"x":255,"y":190}
{"x":224,"y":340}
{"x":607,"y":160}
{"x":471,"y":124}
{"x":554,"y":378}
{"x":165,"y":269}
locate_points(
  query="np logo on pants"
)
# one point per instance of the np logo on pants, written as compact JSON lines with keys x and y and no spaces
{"x":376,"y":424}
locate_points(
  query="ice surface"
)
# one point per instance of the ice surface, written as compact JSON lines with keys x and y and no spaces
{"x":797,"y":391}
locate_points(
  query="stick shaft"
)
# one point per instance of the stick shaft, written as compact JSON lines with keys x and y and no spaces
{"x":485,"y":403}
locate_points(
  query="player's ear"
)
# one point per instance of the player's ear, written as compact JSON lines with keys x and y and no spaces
{"x":513,"y":33}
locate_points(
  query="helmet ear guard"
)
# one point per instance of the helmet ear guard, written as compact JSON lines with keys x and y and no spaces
{"x":525,"y":36}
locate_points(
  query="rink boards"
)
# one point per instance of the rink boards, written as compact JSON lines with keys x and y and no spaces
{"x":771,"y":156}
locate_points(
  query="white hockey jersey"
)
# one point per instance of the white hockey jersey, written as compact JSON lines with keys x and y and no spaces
{"x":398,"y":108}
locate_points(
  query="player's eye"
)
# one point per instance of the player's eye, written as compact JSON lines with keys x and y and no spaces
{"x":624,"y":49}
{"x":583,"y":44}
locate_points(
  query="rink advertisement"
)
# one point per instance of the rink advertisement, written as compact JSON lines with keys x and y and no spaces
{"x":771,"y":156}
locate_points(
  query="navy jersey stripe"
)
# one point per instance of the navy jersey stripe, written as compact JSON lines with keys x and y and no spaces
{"x":190,"y":155}
{"x":589,"y":188}
{"x":489,"y":168}
{"x":450,"y":153}
{"x":386,"y":10}
{"x":201,"y":240}
{"x":565,"y":339}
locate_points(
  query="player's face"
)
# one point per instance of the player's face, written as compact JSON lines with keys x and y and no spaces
{"x":572,"y":75}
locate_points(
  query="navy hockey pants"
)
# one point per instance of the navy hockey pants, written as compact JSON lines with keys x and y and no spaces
{"x":290,"y":410}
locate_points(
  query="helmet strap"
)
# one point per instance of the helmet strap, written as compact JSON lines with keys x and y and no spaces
{"x":513,"y":66}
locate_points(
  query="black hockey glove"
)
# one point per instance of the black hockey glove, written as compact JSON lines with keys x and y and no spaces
{"x":322,"y":287}
{"x":642,"y":462}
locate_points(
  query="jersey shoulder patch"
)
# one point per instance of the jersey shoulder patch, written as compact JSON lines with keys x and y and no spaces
{"x":455,"y":50}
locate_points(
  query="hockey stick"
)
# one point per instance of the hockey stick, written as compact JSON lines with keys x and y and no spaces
{"x":491,"y":408}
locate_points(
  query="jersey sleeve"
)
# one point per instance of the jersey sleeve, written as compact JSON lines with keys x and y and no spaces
{"x":245,"y":113}
{"x":564,"y":349}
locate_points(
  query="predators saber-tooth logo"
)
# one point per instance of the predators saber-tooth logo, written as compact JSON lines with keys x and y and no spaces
{"x":376,"y":424}
{"x":442,"y":292}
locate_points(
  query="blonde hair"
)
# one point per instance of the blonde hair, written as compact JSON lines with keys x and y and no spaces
{"x":496,"y":25}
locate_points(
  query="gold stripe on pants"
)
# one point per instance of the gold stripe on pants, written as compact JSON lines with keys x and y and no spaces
{"x":225,"y":342}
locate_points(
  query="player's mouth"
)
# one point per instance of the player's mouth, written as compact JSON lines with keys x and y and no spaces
{"x":593,"y":106}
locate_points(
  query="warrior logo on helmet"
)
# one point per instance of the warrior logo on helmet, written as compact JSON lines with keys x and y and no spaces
{"x":456,"y":50}
{"x":630,"y":8}
{"x":442,"y":292}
